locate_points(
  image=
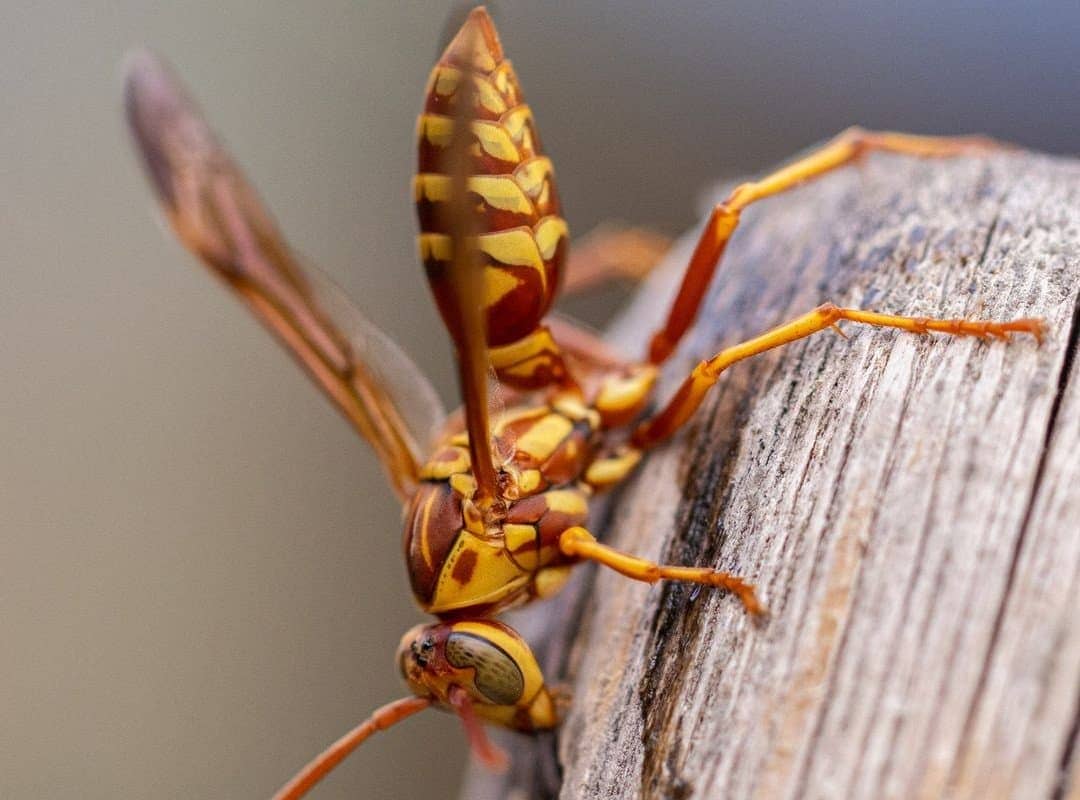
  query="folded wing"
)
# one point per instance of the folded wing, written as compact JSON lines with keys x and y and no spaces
{"x":219,"y":217}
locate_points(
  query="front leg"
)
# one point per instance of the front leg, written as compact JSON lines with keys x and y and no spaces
{"x":576,"y":542}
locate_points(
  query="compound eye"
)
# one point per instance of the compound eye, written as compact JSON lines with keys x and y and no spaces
{"x":498,"y":677}
{"x":422,"y":651}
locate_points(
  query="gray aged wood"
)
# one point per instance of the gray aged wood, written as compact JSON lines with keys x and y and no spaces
{"x":909,"y":508}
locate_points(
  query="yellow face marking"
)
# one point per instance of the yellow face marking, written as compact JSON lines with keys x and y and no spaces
{"x":549,"y":232}
{"x":540,"y":440}
{"x":543,"y":712}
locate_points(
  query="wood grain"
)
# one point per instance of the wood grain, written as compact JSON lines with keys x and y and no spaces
{"x":908,"y":506}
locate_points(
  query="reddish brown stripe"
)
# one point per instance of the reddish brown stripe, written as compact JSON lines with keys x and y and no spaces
{"x":432,"y":524}
{"x":464,"y":567}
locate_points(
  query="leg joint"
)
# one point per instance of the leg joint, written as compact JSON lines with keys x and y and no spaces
{"x":829,"y":313}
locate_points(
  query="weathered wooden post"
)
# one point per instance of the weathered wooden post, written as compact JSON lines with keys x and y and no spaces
{"x":908,"y":506}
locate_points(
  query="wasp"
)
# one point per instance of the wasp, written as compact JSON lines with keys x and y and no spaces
{"x":496,"y":499}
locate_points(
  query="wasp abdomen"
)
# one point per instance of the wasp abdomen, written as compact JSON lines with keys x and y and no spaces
{"x":522,"y":238}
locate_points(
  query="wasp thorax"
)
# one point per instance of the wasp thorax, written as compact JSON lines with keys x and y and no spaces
{"x":521,"y":237}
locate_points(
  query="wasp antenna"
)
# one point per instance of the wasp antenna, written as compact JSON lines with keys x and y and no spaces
{"x":487,"y":752}
{"x":316,"y":769}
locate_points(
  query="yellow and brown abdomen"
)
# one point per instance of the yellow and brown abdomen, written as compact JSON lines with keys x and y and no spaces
{"x":522,"y":237}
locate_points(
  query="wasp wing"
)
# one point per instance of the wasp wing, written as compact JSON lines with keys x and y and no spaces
{"x":219,"y":217}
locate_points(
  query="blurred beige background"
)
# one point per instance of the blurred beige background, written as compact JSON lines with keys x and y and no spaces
{"x":200,"y":572}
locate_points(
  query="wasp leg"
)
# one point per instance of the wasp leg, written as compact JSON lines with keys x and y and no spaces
{"x":577,"y":542}
{"x":705,"y":374}
{"x":611,"y":252}
{"x":844,"y":149}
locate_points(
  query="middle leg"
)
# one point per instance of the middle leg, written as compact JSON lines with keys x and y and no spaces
{"x":704,"y":375}
{"x":577,"y":542}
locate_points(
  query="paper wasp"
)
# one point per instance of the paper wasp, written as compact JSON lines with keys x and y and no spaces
{"x":496,"y":502}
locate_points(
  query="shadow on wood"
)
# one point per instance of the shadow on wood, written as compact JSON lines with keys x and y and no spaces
{"x":908,"y":506}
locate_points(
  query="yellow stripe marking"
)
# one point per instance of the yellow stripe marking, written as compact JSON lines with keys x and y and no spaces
{"x":529,"y":481}
{"x":532,"y":175}
{"x":567,"y":501}
{"x":446,"y":80}
{"x":438,"y":470}
{"x":464,"y":484}
{"x":516,"y":247}
{"x":541,"y":439}
{"x":434,"y":246}
{"x":499,"y":191}
{"x":516,"y":415}
{"x":495,"y":141}
{"x":518,"y":535}
{"x":549,"y":231}
{"x":425,"y":548}
{"x":498,"y":283}
{"x":608,"y":471}
{"x":506,"y":82}
{"x":515,"y":121}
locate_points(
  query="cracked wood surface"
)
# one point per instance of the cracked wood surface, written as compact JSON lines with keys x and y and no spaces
{"x":909,"y":508}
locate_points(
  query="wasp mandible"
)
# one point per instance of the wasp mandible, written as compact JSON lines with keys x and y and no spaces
{"x":496,"y":502}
